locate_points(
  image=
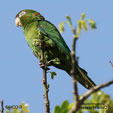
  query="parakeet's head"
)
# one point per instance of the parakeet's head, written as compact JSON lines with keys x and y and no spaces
{"x":27,"y":16}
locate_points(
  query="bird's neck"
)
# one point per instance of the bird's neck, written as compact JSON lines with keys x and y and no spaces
{"x":30,"y":26}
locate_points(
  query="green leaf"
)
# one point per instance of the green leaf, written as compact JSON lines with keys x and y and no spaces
{"x":83,"y":15}
{"x":92,"y":23}
{"x":69,"y":22}
{"x":70,"y":106}
{"x":53,"y":74}
{"x":57,"y":109}
{"x":79,"y":27}
{"x":63,"y":108}
{"x":65,"y":104}
{"x":84,"y":25}
{"x":61,"y":26}
{"x":64,"y":111}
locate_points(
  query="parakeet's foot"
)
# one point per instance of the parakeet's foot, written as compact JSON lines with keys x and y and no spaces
{"x":42,"y":65}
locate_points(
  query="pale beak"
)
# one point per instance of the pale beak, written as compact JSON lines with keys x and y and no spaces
{"x":17,"y":22}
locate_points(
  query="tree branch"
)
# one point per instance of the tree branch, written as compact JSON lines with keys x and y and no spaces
{"x":46,"y":88}
{"x":88,"y":93}
{"x":2,"y":106}
{"x":94,"y":89}
{"x":78,"y":102}
{"x":73,"y":71}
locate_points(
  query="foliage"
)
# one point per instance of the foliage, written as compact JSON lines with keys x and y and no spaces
{"x":61,"y":26}
{"x":53,"y":74}
{"x":63,"y":108}
{"x":82,"y":24}
{"x":22,"y":108}
{"x":98,"y":103}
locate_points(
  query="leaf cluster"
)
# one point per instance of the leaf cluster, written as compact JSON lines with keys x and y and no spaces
{"x":98,"y":103}
{"x":82,"y":24}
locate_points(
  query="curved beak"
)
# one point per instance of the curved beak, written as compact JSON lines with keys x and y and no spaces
{"x":17,"y":22}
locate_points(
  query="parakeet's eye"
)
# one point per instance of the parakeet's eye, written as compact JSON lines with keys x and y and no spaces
{"x":22,"y":14}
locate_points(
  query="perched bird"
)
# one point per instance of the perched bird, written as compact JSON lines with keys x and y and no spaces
{"x":35,"y":29}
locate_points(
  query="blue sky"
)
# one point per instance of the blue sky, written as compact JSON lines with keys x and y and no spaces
{"x":20,"y":74}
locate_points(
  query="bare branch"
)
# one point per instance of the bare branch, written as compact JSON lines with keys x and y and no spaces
{"x":73,"y":71}
{"x":88,"y":93}
{"x":46,"y":88}
{"x":94,"y":89}
{"x":45,"y":95}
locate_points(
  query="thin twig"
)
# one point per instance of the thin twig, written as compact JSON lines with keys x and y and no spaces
{"x":94,"y":89}
{"x":73,"y":71}
{"x":46,"y":89}
{"x":88,"y":93}
{"x":2,"y":106}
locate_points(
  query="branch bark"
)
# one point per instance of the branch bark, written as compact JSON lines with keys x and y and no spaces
{"x":46,"y":90}
{"x":88,"y":93}
{"x":94,"y":89}
{"x":45,"y":84}
{"x":73,"y":72}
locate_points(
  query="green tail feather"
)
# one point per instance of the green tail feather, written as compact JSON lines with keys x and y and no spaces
{"x":83,"y":79}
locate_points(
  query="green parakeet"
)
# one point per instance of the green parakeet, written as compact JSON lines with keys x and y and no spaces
{"x":36,"y":28}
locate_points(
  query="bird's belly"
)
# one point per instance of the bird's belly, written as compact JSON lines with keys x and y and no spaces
{"x":49,"y":53}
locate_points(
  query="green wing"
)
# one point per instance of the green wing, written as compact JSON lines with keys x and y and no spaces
{"x":51,"y":32}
